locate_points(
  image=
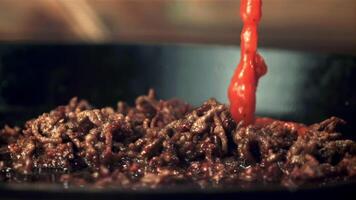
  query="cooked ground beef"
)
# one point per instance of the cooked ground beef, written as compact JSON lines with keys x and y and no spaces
{"x":159,"y":142}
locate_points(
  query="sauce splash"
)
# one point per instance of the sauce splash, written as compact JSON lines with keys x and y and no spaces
{"x":242,"y":88}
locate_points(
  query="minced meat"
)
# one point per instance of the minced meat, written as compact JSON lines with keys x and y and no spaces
{"x":158,"y":143}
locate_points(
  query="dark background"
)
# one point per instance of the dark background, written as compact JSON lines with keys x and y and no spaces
{"x":302,"y":86}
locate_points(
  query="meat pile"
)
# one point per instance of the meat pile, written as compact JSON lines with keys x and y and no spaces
{"x":166,"y":143}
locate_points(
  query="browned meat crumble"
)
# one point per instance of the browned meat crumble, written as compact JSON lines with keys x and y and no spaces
{"x":159,"y":143}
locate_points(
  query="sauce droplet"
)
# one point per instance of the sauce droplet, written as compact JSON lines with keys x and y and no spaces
{"x":242,"y":88}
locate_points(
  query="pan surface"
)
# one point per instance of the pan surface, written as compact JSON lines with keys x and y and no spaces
{"x":337,"y":191}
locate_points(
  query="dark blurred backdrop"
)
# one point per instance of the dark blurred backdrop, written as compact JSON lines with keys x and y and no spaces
{"x":301,"y":86}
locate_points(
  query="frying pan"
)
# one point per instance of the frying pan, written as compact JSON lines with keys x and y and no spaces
{"x":300,"y":86}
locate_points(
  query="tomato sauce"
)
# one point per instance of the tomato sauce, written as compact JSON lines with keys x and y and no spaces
{"x":299,"y":128}
{"x":242,"y":88}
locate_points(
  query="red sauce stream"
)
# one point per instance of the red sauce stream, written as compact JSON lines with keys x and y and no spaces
{"x":242,"y":88}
